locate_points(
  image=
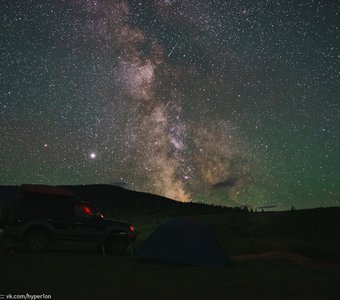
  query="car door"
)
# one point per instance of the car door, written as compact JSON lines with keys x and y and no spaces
{"x":61,"y":216}
{"x":86,"y":222}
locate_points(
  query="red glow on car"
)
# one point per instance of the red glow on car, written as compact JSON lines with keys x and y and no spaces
{"x":88,"y":210}
{"x":132,"y":228}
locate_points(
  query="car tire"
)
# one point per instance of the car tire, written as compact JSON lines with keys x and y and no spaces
{"x":37,"y":240}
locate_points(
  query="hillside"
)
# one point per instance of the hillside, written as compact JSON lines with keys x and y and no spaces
{"x":115,"y":200}
{"x":313,"y":233}
{"x":276,"y":255}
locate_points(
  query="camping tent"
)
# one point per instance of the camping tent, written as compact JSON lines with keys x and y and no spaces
{"x":186,"y":241}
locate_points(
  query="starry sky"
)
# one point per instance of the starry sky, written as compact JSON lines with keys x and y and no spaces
{"x":223,"y":102}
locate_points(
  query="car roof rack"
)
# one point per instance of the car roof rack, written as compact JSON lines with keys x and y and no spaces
{"x":47,"y":190}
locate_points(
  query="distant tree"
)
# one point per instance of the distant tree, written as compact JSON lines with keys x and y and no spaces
{"x":292,"y":208}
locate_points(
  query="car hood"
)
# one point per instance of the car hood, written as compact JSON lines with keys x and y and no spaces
{"x":108,"y":221}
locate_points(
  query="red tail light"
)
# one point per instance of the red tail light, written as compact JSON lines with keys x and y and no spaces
{"x":132,"y":228}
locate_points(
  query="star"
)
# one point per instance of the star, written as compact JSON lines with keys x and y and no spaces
{"x":179,"y":96}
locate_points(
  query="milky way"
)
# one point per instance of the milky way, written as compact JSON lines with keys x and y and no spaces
{"x":214,"y":101}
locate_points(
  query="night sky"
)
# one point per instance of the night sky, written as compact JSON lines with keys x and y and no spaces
{"x":224,"y":102}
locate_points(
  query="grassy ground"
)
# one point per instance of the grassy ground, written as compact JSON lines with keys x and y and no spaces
{"x":301,"y":261}
{"x":67,"y":275}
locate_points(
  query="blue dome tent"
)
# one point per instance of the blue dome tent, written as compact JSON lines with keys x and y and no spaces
{"x":185,"y":241}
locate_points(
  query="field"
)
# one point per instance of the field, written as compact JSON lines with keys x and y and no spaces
{"x":275,"y":255}
{"x":89,"y":276}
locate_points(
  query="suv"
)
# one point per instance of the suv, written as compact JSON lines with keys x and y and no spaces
{"x":43,"y":214}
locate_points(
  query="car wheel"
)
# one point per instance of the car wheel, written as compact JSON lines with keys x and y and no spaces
{"x":116,"y":246}
{"x":37,"y":240}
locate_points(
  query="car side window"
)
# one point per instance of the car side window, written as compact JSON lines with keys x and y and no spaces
{"x":44,"y":207}
{"x":83,"y":211}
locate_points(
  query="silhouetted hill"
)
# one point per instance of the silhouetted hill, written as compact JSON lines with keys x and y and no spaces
{"x":115,"y":200}
{"x":314,"y":233}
